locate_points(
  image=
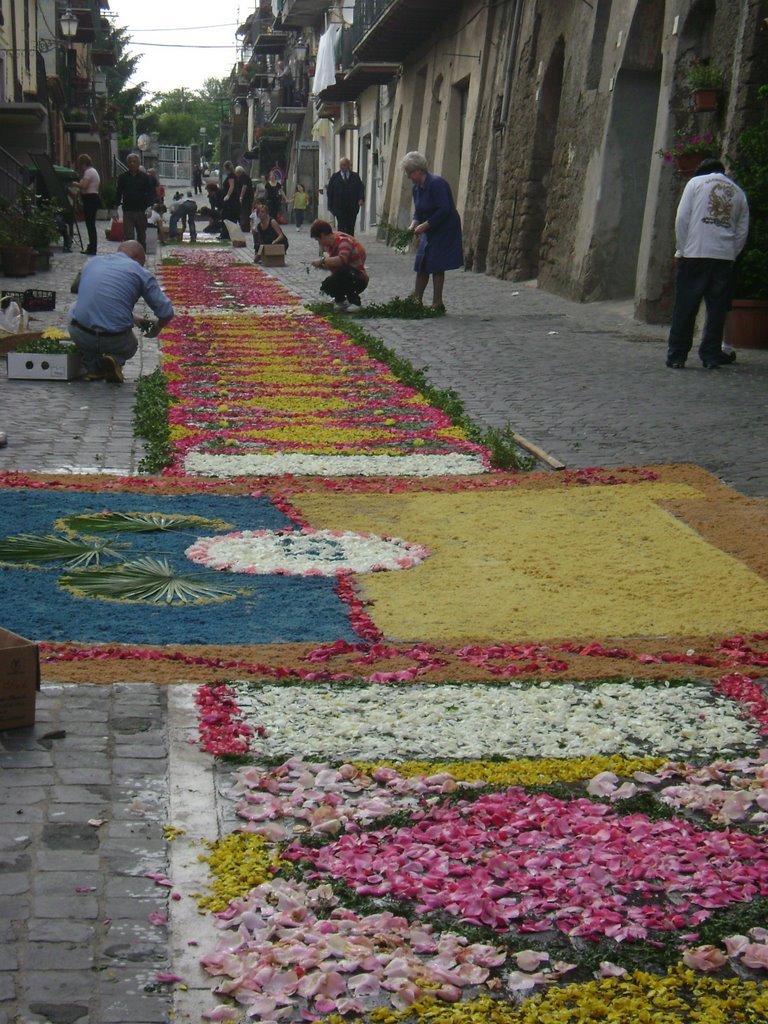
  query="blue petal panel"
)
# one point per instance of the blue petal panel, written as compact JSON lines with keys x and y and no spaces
{"x":280,"y":609}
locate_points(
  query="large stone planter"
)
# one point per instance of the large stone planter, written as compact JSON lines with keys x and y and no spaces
{"x":747,"y":324}
{"x":18,"y":260}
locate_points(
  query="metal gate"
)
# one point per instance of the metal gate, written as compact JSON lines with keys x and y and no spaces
{"x":174,"y":163}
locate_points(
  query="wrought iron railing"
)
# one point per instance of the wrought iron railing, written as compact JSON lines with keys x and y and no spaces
{"x":13,"y":175}
{"x":367,"y":13}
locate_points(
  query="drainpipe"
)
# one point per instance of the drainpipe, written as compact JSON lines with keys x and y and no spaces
{"x":509,"y":70}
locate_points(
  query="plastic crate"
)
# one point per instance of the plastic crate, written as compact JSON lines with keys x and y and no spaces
{"x":17,"y":297}
{"x":39,"y":300}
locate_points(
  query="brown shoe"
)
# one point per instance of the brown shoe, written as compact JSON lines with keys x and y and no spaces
{"x":96,"y":376}
{"x":113,"y":372}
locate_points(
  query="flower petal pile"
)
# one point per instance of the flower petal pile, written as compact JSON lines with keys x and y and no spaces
{"x":442,"y":720}
{"x":305,"y":552}
{"x":282,"y":956}
{"x":724,"y":791}
{"x":509,"y":860}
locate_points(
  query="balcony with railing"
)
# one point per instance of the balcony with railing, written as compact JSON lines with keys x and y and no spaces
{"x":355,"y":75}
{"x":387,"y":30}
{"x":300,"y":13}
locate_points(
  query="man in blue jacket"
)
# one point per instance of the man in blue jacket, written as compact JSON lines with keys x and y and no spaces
{"x":102,"y":318}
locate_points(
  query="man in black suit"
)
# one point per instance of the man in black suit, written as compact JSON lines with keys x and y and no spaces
{"x":346,"y":194}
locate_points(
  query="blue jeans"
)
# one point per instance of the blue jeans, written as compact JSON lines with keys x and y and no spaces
{"x":93,"y":345}
{"x":698,"y":279}
{"x":186,"y":214}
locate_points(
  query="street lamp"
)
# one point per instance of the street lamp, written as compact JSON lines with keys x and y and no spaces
{"x":68,"y":23}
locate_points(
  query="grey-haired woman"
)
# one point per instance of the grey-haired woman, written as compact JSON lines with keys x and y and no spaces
{"x":437,"y":225}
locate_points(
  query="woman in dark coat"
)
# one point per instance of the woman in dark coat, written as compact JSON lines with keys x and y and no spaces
{"x":244,"y":189}
{"x":437,"y":225}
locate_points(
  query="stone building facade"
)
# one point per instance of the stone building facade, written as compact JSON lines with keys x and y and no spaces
{"x":547,"y":118}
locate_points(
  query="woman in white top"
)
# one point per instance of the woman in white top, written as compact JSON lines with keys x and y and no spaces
{"x":89,"y":196}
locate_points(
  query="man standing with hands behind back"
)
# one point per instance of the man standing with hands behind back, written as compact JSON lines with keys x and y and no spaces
{"x":346,"y":194}
{"x":135,"y":193}
{"x":710,"y":228}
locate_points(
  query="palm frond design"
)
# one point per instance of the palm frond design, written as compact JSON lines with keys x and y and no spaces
{"x":139,"y":522}
{"x":79,"y":552}
{"x":150,"y":581}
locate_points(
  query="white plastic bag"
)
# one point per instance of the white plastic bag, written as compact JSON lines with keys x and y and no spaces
{"x":13,"y":319}
{"x":236,"y":235}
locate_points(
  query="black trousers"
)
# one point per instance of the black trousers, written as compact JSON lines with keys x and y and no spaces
{"x":345,"y":221}
{"x":91,"y":204}
{"x":345,"y":283}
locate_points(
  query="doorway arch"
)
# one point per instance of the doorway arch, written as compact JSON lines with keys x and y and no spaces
{"x":628,"y":152}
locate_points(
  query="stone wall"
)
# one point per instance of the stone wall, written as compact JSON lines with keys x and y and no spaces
{"x":546,"y":119}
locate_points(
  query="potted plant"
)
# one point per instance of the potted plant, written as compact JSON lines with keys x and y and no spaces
{"x":747,"y":325}
{"x":689,"y":150}
{"x":705,"y":81}
{"x":42,"y":230}
{"x":108,"y":197}
{"x":17,"y":254}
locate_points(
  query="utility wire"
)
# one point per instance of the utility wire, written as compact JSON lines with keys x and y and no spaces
{"x":186,"y":46}
{"x":186,"y":28}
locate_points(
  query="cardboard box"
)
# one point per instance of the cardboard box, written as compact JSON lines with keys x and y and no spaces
{"x":273,"y":255}
{"x":19,"y":680}
{"x":38,"y":366}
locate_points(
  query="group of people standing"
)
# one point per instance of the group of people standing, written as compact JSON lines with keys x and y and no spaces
{"x":239,"y":197}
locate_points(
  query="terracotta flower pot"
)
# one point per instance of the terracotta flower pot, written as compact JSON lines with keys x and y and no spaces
{"x":705,"y":100}
{"x":686,"y":163}
{"x":747,"y":324}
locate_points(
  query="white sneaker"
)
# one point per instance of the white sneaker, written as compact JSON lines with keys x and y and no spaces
{"x":352,"y":308}
{"x":341,"y":307}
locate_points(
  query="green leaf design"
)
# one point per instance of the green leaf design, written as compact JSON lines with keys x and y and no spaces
{"x":30,"y":549}
{"x":149,"y":581}
{"x":140,"y":522}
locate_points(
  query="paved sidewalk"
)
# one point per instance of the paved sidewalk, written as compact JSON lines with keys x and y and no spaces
{"x":586,"y":383}
{"x":68,"y":425}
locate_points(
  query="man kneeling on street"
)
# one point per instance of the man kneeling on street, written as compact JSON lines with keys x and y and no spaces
{"x":102,"y":318}
{"x":344,"y":256}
